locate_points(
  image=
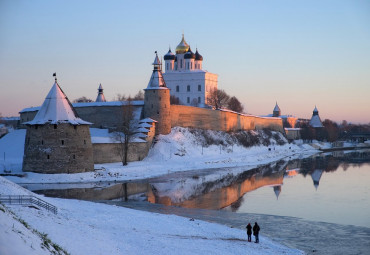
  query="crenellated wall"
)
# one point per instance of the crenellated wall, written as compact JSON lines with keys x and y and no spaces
{"x":188,"y":116}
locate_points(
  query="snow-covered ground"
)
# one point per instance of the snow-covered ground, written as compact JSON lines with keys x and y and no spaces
{"x":82,"y":227}
{"x":181,"y":150}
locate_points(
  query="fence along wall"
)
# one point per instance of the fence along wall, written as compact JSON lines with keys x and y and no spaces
{"x":188,"y":116}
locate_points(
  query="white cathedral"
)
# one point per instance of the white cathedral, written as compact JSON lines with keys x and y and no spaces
{"x":185,"y":77}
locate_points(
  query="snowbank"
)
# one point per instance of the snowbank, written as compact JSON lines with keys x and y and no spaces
{"x":91,"y":228}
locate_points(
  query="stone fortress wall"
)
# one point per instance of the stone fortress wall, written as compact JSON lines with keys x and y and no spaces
{"x":110,"y":152}
{"x":189,"y":116}
{"x":61,"y":148}
{"x":180,"y":115}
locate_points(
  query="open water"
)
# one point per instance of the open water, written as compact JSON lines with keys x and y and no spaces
{"x":319,"y":204}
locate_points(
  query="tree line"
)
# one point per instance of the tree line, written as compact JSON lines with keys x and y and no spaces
{"x":332,"y":131}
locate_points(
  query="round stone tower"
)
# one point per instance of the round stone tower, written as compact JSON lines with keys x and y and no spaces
{"x":157,"y":100}
{"x":57,"y":140}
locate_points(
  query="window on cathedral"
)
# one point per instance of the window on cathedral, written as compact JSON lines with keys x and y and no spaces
{"x":48,"y":156}
{"x":188,"y":100}
{"x":177,"y":88}
{"x":55,"y":126}
{"x":42,"y":142}
{"x":199,"y":88}
{"x":198,"y":100}
{"x":75,"y":127}
{"x":62,"y":142}
{"x":74,"y":156}
{"x":84,"y":141}
{"x":188,"y":88}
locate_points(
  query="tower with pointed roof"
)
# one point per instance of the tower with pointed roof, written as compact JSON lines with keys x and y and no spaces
{"x":100,"y":97}
{"x":157,"y":100}
{"x":276,"y":112}
{"x":185,"y":77}
{"x":315,"y":121}
{"x":57,"y":140}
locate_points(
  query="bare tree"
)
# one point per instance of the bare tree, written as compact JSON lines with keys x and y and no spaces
{"x":82,"y":100}
{"x":120,"y":97}
{"x":218,"y":98}
{"x":125,"y":129}
{"x":139,"y":96}
{"x":235,"y":105}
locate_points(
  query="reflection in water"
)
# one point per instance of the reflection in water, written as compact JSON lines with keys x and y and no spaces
{"x":235,"y":189}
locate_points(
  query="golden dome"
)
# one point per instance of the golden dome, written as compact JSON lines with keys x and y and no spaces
{"x":182,"y":47}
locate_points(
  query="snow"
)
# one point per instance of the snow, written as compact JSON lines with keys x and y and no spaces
{"x":56,"y":109}
{"x":179,"y":151}
{"x":315,"y":121}
{"x":82,"y":227}
{"x":147,"y":120}
{"x":103,"y":136}
{"x":156,"y":81}
{"x":142,"y":130}
{"x":144,"y":125}
{"x":12,"y":148}
{"x":91,"y":104}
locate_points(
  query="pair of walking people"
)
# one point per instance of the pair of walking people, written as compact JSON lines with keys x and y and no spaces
{"x":256,"y":230}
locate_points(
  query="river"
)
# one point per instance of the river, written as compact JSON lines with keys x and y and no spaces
{"x":319,"y":204}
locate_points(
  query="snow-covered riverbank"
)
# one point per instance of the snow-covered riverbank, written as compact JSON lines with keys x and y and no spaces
{"x":89,"y":228}
{"x":179,"y":151}
{"x":82,"y":227}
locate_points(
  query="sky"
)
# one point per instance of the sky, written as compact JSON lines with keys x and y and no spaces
{"x":297,"y":53}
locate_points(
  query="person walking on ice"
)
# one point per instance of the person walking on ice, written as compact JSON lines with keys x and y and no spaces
{"x":256,"y":230}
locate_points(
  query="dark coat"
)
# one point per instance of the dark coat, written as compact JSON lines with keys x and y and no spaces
{"x":256,"y":229}
{"x":249,"y":229}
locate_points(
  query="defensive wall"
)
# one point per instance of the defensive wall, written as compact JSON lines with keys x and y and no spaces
{"x":108,"y":116}
{"x":189,"y":116}
{"x":112,"y":152}
{"x":100,"y":114}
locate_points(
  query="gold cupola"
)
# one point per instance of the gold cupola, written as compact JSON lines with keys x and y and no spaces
{"x":183,"y":47}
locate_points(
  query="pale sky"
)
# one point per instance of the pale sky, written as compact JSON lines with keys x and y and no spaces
{"x":298,"y":53}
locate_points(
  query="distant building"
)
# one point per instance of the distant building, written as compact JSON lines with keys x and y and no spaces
{"x":315,"y":121}
{"x":100,"y":97}
{"x":185,"y":77}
